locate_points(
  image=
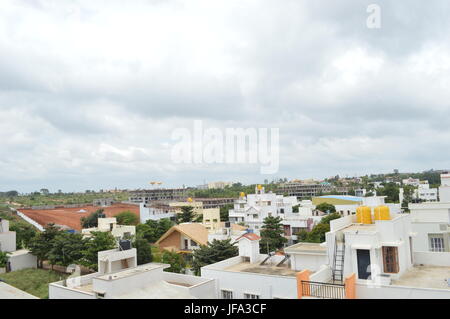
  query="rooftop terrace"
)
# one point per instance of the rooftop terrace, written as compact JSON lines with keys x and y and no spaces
{"x":283,"y":270}
{"x":425,"y":277}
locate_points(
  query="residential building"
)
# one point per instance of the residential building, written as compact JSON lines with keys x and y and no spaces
{"x":219,"y":185}
{"x":119,"y":277}
{"x":211,"y":218}
{"x":110,"y":225}
{"x":252,"y":275}
{"x":103,"y":202}
{"x":17,"y":259}
{"x":226,"y":230}
{"x":303,"y":190}
{"x":214,"y":202}
{"x":411,"y":182}
{"x":157,"y":194}
{"x":376,"y":249}
{"x":444,"y":189}
{"x":360,"y":192}
{"x":346,"y":205}
{"x":157,"y":211}
{"x":431,"y":223}
{"x":184,"y":238}
{"x":252,"y":209}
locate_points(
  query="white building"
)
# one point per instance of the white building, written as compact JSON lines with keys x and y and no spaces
{"x":110,"y":225}
{"x":254,"y":208}
{"x":252,"y":275}
{"x":444,"y":190}
{"x":18,"y":259}
{"x":411,"y":182}
{"x":370,"y":257}
{"x":431,"y":223}
{"x":120,"y":278}
{"x":156,"y":211}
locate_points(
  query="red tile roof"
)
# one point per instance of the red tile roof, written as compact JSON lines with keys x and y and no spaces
{"x":250,"y":236}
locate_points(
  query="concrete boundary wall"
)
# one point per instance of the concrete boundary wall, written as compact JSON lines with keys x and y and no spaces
{"x":430,"y":258}
{"x":399,"y":292}
{"x":30,"y":221}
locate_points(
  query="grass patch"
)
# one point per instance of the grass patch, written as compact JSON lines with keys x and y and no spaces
{"x":33,"y":281}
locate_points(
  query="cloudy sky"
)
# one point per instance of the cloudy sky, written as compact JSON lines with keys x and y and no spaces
{"x":92,"y":91}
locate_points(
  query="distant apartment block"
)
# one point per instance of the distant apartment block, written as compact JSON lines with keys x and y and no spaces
{"x":103,"y":202}
{"x":159,"y":194}
{"x":308,"y":190}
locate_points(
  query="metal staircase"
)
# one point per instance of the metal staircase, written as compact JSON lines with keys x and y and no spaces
{"x":338,"y":259}
{"x":286,"y":257}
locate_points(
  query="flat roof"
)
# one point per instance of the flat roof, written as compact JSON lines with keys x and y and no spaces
{"x":131,"y":271}
{"x":262,"y":269}
{"x":19,"y":252}
{"x":425,"y":277}
{"x":307,"y":248}
{"x":360,"y":227}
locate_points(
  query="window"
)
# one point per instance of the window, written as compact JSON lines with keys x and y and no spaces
{"x":193,"y":243}
{"x":390,"y":260}
{"x":214,"y":220}
{"x":251,"y":296}
{"x":437,"y":243}
{"x":100,"y":295}
{"x":227,"y":294}
{"x":206,"y":220}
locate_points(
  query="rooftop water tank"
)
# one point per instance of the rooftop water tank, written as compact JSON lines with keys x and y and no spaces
{"x":364,"y":215}
{"x":381,"y":213}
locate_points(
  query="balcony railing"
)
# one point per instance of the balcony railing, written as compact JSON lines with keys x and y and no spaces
{"x":323,"y":290}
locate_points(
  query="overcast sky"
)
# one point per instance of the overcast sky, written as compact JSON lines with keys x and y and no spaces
{"x":91,"y":91}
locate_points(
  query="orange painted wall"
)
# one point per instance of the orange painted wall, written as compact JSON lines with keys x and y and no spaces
{"x":302,"y":276}
{"x":350,"y":286}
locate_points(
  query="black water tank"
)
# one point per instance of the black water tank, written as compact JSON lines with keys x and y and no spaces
{"x":124,"y":244}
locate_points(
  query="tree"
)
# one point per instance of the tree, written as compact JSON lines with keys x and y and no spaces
{"x":391,"y":190}
{"x":164,"y":225}
{"x":295,"y":208}
{"x":272,"y":234}
{"x":224,"y":212}
{"x":328,"y":218}
{"x":317,"y":234}
{"x":4,"y":257}
{"x":326,"y":208}
{"x":92,"y":219}
{"x":187,"y":214}
{"x":213,"y":252}
{"x":176,"y":261}
{"x":152,"y":230}
{"x":127,"y":218}
{"x":41,"y":245}
{"x":98,"y":242}
{"x":66,"y":248}
{"x":144,"y":251}
{"x":148,"y":231}
{"x":25,"y":233}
